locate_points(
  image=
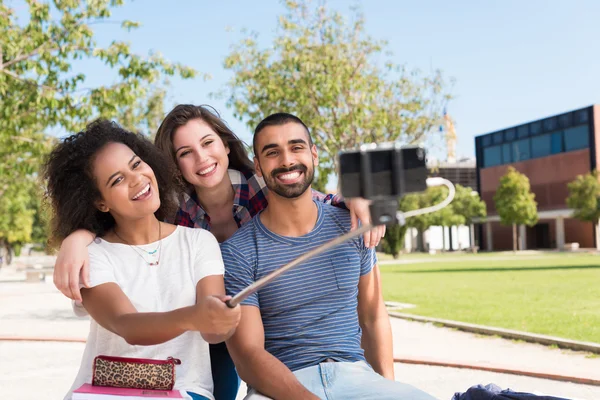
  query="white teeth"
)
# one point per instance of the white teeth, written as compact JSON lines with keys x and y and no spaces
{"x":207,"y":170}
{"x":143,"y":191}
{"x":291,"y":175}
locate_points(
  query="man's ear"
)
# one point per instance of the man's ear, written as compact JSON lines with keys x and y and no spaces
{"x":315,"y":155}
{"x":257,"y":169}
{"x":101,"y":206}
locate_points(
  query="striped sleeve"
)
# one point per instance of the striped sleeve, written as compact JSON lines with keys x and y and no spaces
{"x":239,"y":273}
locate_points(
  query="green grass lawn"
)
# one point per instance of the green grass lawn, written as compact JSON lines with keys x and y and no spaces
{"x":553,"y":294}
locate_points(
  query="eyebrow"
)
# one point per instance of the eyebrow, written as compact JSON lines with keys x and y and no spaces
{"x":273,"y":145}
{"x":183,"y":147}
{"x":118,"y":172}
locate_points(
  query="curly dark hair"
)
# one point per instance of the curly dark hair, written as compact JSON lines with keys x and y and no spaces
{"x":72,"y":190}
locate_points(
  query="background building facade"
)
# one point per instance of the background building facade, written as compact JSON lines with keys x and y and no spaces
{"x":551,"y":152}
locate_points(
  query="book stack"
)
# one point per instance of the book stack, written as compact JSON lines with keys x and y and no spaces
{"x":89,"y":392}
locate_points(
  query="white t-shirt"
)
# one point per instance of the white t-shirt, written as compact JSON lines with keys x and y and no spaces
{"x":186,"y":256}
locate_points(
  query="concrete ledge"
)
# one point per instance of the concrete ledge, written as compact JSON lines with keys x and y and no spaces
{"x":501,"y":370}
{"x":505,"y":333}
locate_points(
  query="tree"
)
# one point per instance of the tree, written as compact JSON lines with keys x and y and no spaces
{"x":514,"y":202}
{"x":326,"y":71}
{"x":469,"y":206}
{"x":39,"y":89}
{"x":415,"y":201}
{"x":394,"y":239}
{"x":584,"y":199}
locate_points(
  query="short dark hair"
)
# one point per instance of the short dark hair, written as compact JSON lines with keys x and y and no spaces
{"x":184,"y":113}
{"x":72,"y":190}
{"x":275,"y":120}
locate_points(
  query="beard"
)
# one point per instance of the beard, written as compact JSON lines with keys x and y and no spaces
{"x":294,"y":190}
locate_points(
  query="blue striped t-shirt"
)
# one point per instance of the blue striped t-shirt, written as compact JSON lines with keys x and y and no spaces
{"x":310,"y":312}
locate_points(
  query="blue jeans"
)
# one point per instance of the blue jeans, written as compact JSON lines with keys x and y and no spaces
{"x":351,"y":380}
{"x":225,"y":378}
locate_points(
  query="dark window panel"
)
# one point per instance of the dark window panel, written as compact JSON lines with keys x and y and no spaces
{"x":497,"y":138}
{"x":576,"y":138}
{"x":492,"y":156}
{"x":521,"y":150}
{"x":581,"y":117}
{"x":540,"y":146}
{"x":550,"y":124}
{"x":556,"y":143}
{"x":510,"y":134}
{"x":535,"y":127}
{"x":506,"y":153}
{"x":565,"y":120}
{"x":523,"y":131}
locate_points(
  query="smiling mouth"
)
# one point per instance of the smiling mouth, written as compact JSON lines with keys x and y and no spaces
{"x":289,"y":177}
{"x":143,"y":194}
{"x":207,"y":170}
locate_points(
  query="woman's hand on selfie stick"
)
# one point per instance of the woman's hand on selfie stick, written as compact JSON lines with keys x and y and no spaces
{"x":214,"y":319}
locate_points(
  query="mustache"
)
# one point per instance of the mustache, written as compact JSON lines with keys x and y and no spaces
{"x":298,"y":167}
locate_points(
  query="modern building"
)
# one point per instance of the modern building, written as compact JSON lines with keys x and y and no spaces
{"x":552,"y":152}
{"x":462,"y":172}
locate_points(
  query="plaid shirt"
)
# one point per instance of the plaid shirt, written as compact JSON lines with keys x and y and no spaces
{"x":250,"y":198}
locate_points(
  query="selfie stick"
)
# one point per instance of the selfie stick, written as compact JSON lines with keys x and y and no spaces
{"x":400,"y":218}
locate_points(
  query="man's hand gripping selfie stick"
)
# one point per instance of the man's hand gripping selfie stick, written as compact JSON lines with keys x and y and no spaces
{"x":381,"y":174}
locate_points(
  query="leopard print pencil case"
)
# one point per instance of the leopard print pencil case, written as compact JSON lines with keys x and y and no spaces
{"x":135,"y":373}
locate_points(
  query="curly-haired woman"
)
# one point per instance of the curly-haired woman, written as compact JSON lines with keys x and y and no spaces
{"x":155,"y":290}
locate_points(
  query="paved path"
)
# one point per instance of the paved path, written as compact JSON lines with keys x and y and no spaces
{"x":33,"y":370}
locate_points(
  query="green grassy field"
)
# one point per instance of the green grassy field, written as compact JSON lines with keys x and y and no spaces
{"x":553,"y":294}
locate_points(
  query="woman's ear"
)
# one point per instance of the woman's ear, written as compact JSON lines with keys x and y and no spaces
{"x":101,"y":206}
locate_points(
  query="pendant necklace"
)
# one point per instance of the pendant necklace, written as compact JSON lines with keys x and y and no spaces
{"x":150,"y":253}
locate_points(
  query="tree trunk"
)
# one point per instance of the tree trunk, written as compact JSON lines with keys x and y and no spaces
{"x":472,"y":236}
{"x":443,"y":239}
{"x":420,"y":240}
{"x":514,"y":226}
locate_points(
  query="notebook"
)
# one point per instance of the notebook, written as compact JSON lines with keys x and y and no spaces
{"x":89,"y":392}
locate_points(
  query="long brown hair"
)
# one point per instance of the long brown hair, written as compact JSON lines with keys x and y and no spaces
{"x":182,"y":114}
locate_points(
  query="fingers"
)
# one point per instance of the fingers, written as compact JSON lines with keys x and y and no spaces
{"x":75,"y":293}
{"x":85,"y":272}
{"x":373,"y":237}
{"x":353,"y":220}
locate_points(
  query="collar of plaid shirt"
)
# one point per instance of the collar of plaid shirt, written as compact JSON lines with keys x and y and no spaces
{"x":250,"y":198}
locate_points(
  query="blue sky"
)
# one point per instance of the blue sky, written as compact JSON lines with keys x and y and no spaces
{"x":513,"y":61}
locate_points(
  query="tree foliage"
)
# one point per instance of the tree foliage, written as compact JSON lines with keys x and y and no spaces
{"x":584,"y":196}
{"x":41,"y":90}
{"x":468,"y":205}
{"x":514,"y":201}
{"x":327,"y":71}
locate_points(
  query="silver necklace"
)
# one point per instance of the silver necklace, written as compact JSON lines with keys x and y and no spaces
{"x":150,"y":253}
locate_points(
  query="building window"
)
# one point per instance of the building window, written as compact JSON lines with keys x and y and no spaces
{"x":498,"y":137}
{"x":540,"y":146}
{"x":509,"y":135}
{"x":523,"y":131}
{"x":550,"y":124}
{"x":556,"y":143}
{"x":576,"y":138}
{"x":486,"y":140}
{"x":565,"y":120}
{"x":535,"y":127}
{"x":506,"y":156}
{"x":492,"y":156}
{"x":521,"y":150}
{"x":581,"y":117}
